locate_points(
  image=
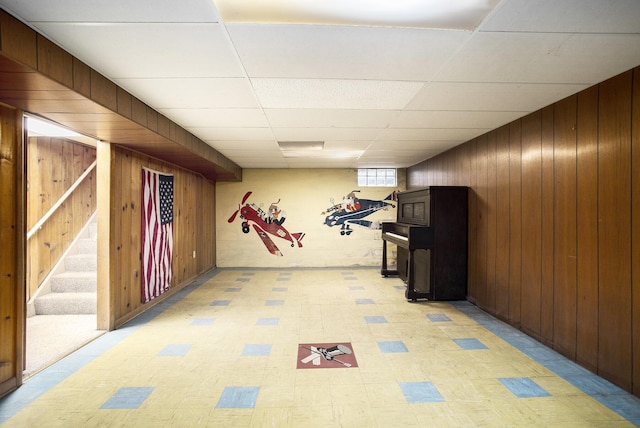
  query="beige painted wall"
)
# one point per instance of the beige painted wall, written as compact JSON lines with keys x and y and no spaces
{"x":304,"y":194}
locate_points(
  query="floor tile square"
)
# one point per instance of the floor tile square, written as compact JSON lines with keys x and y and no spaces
{"x":326,"y":355}
{"x":220,"y":303}
{"x":392,"y":346}
{"x":470,"y":344}
{"x":376,"y":319}
{"x":356,"y":287}
{"x":280,"y":289}
{"x":175,"y":350}
{"x":233,"y":289}
{"x":400,"y":287}
{"x":128,"y":398}
{"x":524,"y":387}
{"x":203,"y":321}
{"x":243,"y":279}
{"x":256,"y":350}
{"x":274,"y":302}
{"x":438,"y":318}
{"x":364,"y":302}
{"x":420,"y":392}
{"x":238,"y":397}
{"x":268,"y":321}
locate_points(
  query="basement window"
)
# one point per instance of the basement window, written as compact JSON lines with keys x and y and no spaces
{"x":377,"y":177}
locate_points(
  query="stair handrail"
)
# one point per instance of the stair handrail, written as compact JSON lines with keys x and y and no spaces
{"x":60,"y":201}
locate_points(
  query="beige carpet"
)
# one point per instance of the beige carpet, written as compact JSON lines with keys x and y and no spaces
{"x":52,"y":337}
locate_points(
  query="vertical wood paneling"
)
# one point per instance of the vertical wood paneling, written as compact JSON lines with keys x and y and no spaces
{"x":574,"y":224}
{"x":614,"y":245}
{"x":587,"y":229}
{"x":194,"y":208}
{"x":546,"y":295}
{"x":531,"y":223}
{"x":502,"y":224}
{"x":11,"y":250}
{"x":515,"y":221}
{"x":565,"y":255}
{"x":492,"y":220}
{"x":472,"y":284}
{"x":635,"y":227}
{"x":482,"y":222}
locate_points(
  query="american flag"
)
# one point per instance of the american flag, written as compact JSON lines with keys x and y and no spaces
{"x":157,"y":233}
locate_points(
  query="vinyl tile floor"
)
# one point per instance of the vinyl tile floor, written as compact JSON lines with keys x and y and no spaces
{"x":314,"y":348}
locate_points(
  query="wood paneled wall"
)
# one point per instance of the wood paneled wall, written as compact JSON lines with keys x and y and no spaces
{"x":11,"y":249}
{"x":194,"y":229}
{"x":554,"y":224}
{"x":53,"y":166}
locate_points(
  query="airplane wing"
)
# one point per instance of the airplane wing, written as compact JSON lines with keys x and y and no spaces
{"x":271,"y":246}
{"x":363,"y":223}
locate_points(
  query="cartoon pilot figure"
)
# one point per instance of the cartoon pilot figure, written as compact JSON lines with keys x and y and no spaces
{"x":276,"y":215}
{"x":350,"y":202}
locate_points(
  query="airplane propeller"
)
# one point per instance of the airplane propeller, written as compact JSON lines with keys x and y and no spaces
{"x":244,"y":199}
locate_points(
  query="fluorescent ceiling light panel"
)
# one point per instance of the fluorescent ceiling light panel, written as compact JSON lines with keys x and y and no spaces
{"x":301,"y":145}
{"x":458,"y":14}
{"x":48,"y":129}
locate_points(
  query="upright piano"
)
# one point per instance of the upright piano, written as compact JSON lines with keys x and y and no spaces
{"x":431,"y":239}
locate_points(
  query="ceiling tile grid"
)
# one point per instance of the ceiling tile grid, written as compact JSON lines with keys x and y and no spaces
{"x":384,"y":84}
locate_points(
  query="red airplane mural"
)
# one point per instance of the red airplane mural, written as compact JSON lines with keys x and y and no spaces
{"x":265,"y":223}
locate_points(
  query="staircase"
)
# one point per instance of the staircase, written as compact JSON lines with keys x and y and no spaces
{"x":72,"y":289}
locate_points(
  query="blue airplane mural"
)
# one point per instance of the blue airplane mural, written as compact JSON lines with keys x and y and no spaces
{"x":353,"y":210}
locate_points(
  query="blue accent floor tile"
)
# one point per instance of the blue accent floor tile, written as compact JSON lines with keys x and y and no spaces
{"x":364,"y":302}
{"x":256,"y":350}
{"x":248,"y":273}
{"x":274,"y":302}
{"x":347,"y":273}
{"x":280,"y":289}
{"x":238,"y":397}
{"x":350,"y":278}
{"x":356,"y":287}
{"x":175,"y":350}
{"x":470,"y":344}
{"x":420,"y":392}
{"x":392,"y":346}
{"x":268,"y":321}
{"x":283,"y":278}
{"x":220,"y":303}
{"x":243,"y":279}
{"x":376,"y":319}
{"x":128,"y":398}
{"x":400,"y":287}
{"x":524,"y":387}
{"x":438,"y":318}
{"x":233,"y":290}
{"x":203,"y":321}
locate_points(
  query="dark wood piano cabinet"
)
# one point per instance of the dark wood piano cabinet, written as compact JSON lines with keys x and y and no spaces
{"x":431,"y":237}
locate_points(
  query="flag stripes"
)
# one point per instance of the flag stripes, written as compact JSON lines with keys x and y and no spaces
{"x":157,"y":233}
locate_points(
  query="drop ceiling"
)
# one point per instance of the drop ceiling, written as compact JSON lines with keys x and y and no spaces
{"x":382,"y":84}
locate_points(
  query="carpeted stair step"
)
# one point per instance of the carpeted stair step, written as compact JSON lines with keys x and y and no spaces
{"x":87,"y":246}
{"x":74,"y":282}
{"x":66,"y":303}
{"x":81,"y":262}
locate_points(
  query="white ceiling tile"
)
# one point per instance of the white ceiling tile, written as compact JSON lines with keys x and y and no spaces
{"x":336,"y":94}
{"x":218,"y":117}
{"x":454,"y":119}
{"x":149,"y":50}
{"x":542,"y":58}
{"x":391,"y":147}
{"x":230,"y":134}
{"x":415,"y":134}
{"x":114,"y":11}
{"x":566,"y":16}
{"x":506,"y":97}
{"x":248,"y":145}
{"x":324,"y":134}
{"x":192,"y":92}
{"x":304,"y":51}
{"x":327,"y":118}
